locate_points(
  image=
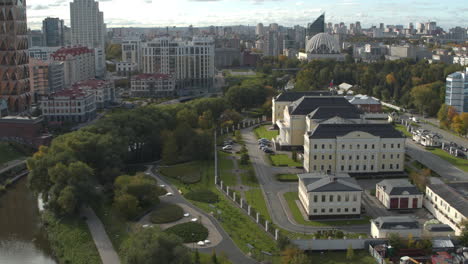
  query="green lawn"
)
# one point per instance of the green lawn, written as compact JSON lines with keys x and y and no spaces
{"x":256,"y":200}
{"x":204,"y":168}
{"x":248,"y":177}
{"x":403,"y":129}
{"x":283,"y":160}
{"x":287,"y":177}
{"x":263,"y":132}
{"x":291,"y":198}
{"x":462,"y":164}
{"x":339,"y":257}
{"x":8,"y":153}
{"x":226,"y":167}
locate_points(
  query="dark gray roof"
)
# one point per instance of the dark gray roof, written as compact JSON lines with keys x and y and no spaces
{"x":396,"y":222}
{"x":326,"y":112}
{"x":439,"y":228}
{"x":307,"y":104}
{"x":455,"y":198}
{"x":294,"y":96}
{"x":316,"y":182}
{"x":398,"y":187}
{"x":339,"y":130}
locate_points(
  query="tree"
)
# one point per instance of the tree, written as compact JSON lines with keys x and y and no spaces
{"x":244,"y":159}
{"x":148,"y":246}
{"x":421,"y":179}
{"x":442,"y":116}
{"x":126,"y":205}
{"x":411,"y":242}
{"x":426,"y":98}
{"x":214,"y":258}
{"x":464,"y":234}
{"x":196,"y":258}
{"x":395,"y":241}
{"x":464,"y":119}
{"x":293,"y":255}
{"x":170,"y":153}
{"x":350,"y":252}
{"x":457,"y":125}
{"x":205,"y":121}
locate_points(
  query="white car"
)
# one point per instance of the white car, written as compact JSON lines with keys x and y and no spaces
{"x":194,"y":219}
{"x":201,"y":243}
{"x":207,"y":242}
{"x":162,"y":185}
{"x":146,"y":226}
{"x":186,"y":215}
{"x":147,"y":173}
{"x":228,"y":147}
{"x":169,"y":194}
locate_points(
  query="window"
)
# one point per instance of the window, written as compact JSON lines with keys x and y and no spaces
{"x":392,"y":145}
{"x":398,"y":156}
{"x":398,"y":166}
{"x":350,"y":146}
{"x":384,"y":145}
{"x":357,"y":167}
{"x":315,"y":167}
{"x":399,"y":145}
{"x":383,"y":156}
{"x":365,"y":146}
{"x":372,"y":157}
{"x":323,"y":198}
{"x":373,"y":146}
{"x":365,"y":157}
{"x":342,"y":157}
{"x":323,"y":157}
{"x":346,"y":210}
{"x":350,"y":157}
{"x":331,"y":198}
{"x":323,"y":210}
{"x":358,"y":146}
{"x":346,"y":197}
{"x":315,"y":211}
{"x":338,"y":198}
{"x":315,"y":146}
{"x":383,"y":166}
{"x":315,"y":198}
{"x":354,"y":197}
{"x":323,"y":146}
{"x":391,"y":166}
{"x":391,"y":156}
{"x":330,"y":210}
{"x":330,"y":146}
{"x":342,"y":167}
{"x":321,"y":167}
{"x":354,"y":209}
{"x":315,"y":157}
{"x":330,"y":157}
{"x":365,"y":167}
{"x":350,"y":168}
{"x":357,"y":157}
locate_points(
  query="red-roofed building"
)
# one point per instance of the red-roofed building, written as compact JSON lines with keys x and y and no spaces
{"x":153,"y":85}
{"x":79,"y":63}
{"x":72,"y":105}
{"x":104,"y":90}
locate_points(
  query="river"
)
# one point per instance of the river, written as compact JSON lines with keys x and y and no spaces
{"x":22,"y":241}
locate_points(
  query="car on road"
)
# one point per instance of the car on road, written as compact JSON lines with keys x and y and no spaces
{"x":194,"y":219}
{"x":264,"y":140}
{"x":186,"y":215}
{"x":169,"y":194}
{"x":162,"y":186}
{"x":201,"y":243}
{"x":228,"y":147}
{"x":414,"y":119}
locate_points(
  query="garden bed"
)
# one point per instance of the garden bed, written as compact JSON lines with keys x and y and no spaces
{"x":166,"y":213}
{"x":189,"y":232}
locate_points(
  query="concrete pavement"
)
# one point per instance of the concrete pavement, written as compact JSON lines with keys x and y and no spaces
{"x":104,"y":245}
{"x":270,"y":188}
{"x":226,"y":246}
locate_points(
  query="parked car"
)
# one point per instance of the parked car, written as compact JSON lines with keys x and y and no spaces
{"x":265,"y":142}
{"x":268,"y":151}
{"x":169,"y":194}
{"x":228,"y":147}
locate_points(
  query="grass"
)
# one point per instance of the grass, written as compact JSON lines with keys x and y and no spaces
{"x":226,"y":167}
{"x":255,"y":198}
{"x":263,"y":132}
{"x":403,"y":129}
{"x":8,"y":153}
{"x":283,"y":160}
{"x":462,"y":164}
{"x":71,"y":240}
{"x":339,"y":257}
{"x":189,"y":232}
{"x":187,"y":172}
{"x":205,"y":196}
{"x":291,"y":198}
{"x":248,"y":177}
{"x":287,"y":177}
{"x":166,"y":213}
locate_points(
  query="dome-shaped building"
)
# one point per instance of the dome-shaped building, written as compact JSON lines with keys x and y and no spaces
{"x":323,"y":43}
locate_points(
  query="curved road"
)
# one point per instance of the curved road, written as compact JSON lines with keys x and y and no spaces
{"x":227,"y":246}
{"x":273,"y":190}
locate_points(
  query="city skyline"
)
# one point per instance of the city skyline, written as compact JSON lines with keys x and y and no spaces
{"x":201,"y":13}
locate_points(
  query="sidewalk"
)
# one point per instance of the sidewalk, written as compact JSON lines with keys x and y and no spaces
{"x":102,"y":241}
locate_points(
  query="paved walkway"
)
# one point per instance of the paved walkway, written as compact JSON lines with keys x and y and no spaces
{"x":102,"y":241}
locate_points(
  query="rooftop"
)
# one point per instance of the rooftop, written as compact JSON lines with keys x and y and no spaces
{"x":399,"y":187}
{"x":457,"y":197}
{"x":294,"y":96}
{"x":307,"y":104}
{"x":91,"y":84}
{"x":71,"y":51}
{"x":364,"y":100}
{"x":327,"y":112}
{"x":72,"y":93}
{"x":339,"y":130}
{"x":396,"y":222}
{"x":318,"y":182}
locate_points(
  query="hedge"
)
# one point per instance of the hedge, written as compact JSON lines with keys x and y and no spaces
{"x":205,"y":196}
{"x":166,"y":213}
{"x":189,"y":232}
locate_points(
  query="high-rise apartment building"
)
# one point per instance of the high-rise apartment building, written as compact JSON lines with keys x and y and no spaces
{"x":259,"y":30}
{"x":456,"y":92}
{"x":46,"y":77}
{"x":89,"y":30}
{"x":14,"y":57}
{"x":191,"y":63}
{"x":52,"y":28}
{"x":78,"y":62}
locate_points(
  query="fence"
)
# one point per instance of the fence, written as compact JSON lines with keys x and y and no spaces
{"x":374,"y":253}
{"x":241,"y":125}
{"x":259,"y":219}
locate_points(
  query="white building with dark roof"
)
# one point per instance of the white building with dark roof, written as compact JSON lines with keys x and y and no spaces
{"x":284,"y":99}
{"x":329,"y":196}
{"x":403,"y":226}
{"x":448,"y":203}
{"x":398,"y":194}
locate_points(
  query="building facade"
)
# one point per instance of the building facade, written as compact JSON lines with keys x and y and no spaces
{"x":354,"y":148}
{"x":329,"y":196}
{"x":448,"y":203}
{"x":52,"y":28}
{"x":103,"y":90}
{"x":191,"y":63}
{"x":14,"y":57}
{"x":42,"y":53}
{"x":46,"y":77}
{"x":72,"y":105}
{"x":398,"y":194}
{"x":403,"y":226}
{"x":456,"y":92}
{"x":78,"y":64}
{"x":131,"y":52}
{"x":152,"y":85}
{"x":89,"y":30}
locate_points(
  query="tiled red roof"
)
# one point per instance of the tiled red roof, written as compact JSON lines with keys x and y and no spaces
{"x":91,"y":84}
{"x":74,"y":51}
{"x":73,"y":92}
{"x":151,"y":76}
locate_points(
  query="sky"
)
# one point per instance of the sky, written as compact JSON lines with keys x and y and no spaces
{"x":162,"y":13}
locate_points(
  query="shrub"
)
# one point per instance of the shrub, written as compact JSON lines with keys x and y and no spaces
{"x":205,"y":196}
{"x":166,"y":213}
{"x":244,"y":159}
{"x":160,"y":191}
{"x":190,"y":179}
{"x":189,"y":232}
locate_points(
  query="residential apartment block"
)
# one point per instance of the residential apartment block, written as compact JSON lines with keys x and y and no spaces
{"x":191,"y":63}
{"x":79,"y":64}
{"x":104,"y":91}
{"x":329,"y":196}
{"x":456,"y":92}
{"x":46,"y":77}
{"x":152,"y":85}
{"x":71,"y":105}
{"x":398,"y":194}
{"x":448,"y":203}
